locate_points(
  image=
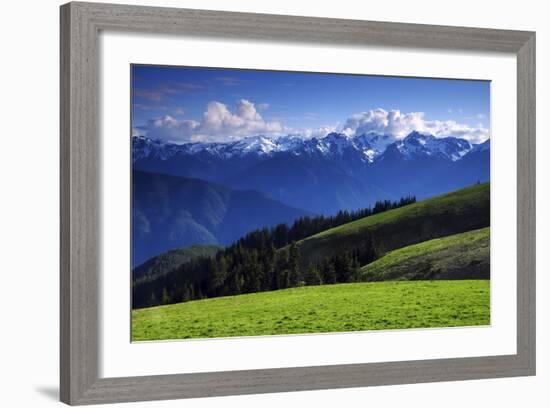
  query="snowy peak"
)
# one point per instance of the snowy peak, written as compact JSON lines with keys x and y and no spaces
{"x":375,"y":140}
{"x":337,"y":142}
{"x":368,"y":147}
{"x":256,"y":144}
{"x":143,"y":147}
{"x":373,"y":144}
{"x":418,"y":144}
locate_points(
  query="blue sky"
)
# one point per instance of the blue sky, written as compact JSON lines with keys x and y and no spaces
{"x":184,"y":104}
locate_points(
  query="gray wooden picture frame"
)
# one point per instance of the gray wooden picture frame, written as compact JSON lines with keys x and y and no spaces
{"x":80,"y":234}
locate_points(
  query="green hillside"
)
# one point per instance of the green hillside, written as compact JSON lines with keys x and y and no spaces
{"x":163,"y":263}
{"x":318,"y":309}
{"x":460,"y":256}
{"x":459,"y":211}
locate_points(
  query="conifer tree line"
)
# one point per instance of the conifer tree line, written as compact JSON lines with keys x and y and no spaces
{"x":263,"y":260}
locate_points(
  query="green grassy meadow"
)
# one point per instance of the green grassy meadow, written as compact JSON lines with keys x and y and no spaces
{"x":459,"y":256}
{"x":321,"y":309}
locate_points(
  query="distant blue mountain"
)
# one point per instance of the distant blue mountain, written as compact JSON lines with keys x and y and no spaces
{"x":314,"y":182}
{"x":425,"y":166}
{"x":170,"y":212}
{"x":324,"y":175}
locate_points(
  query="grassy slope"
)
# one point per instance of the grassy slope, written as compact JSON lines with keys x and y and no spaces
{"x":452,"y":213}
{"x":317,"y":309}
{"x":460,"y":256}
{"x":163,"y":263}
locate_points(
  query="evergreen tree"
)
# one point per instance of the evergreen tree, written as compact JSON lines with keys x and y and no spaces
{"x":165,"y":296}
{"x":186,"y":293}
{"x":295,"y":275}
{"x":327,"y":272}
{"x":312,"y":275}
{"x":281,"y":273}
{"x":342,"y":266}
{"x":355,"y":270}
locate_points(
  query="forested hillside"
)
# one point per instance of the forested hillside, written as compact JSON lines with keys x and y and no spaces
{"x":284,"y":257}
{"x":264,"y":259}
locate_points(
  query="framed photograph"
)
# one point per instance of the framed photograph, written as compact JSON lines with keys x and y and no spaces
{"x":261,"y":203}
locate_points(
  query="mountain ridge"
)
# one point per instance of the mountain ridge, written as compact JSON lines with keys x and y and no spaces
{"x":170,"y":212}
{"x":371,"y":145}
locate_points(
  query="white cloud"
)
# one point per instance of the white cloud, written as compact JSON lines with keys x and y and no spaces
{"x":477,"y":134}
{"x":319,"y":132}
{"x":169,"y":128}
{"x":381,"y":121}
{"x":400,"y":124}
{"x":263,"y":106}
{"x":219,"y":123}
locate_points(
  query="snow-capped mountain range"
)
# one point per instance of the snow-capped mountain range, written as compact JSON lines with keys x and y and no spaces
{"x":324,"y":175}
{"x":370,"y":146}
